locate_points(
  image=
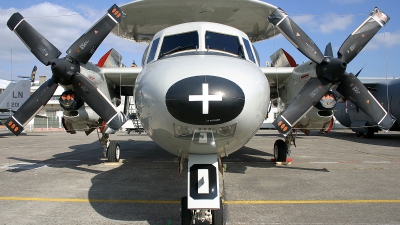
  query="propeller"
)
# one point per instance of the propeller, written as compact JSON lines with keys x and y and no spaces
{"x":66,"y":71}
{"x":331,"y":71}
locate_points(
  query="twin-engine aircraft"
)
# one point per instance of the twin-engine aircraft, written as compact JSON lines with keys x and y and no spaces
{"x":386,"y":91}
{"x":200,"y":93}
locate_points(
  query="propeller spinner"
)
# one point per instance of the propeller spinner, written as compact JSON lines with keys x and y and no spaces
{"x":331,"y":71}
{"x":66,"y":70}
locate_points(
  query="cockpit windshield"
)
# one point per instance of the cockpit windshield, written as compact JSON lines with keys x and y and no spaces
{"x":224,"y":42}
{"x":179,"y":42}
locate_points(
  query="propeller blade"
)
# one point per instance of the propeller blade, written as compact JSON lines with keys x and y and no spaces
{"x":97,"y":101}
{"x":352,"y":89}
{"x":358,"y":73}
{"x":328,"y":50}
{"x":362,"y":35}
{"x":34,"y":41}
{"x":83,"y":48}
{"x":31,"y":107}
{"x":309,"y":95}
{"x":66,"y":70}
{"x":33,"y":74}
{"x":295,"y":35}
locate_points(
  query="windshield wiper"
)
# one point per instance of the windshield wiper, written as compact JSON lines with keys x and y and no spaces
{"x":176,"y":49}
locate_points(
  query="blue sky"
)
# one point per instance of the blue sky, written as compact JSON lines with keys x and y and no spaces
{"x":62,"y":22}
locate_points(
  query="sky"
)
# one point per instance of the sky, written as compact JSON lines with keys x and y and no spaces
{"x":62,"y":22}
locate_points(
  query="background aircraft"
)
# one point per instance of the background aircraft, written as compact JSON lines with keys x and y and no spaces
{"x":200,"y":92}
{"x":14,"y":95}
{"x":387,"y":92}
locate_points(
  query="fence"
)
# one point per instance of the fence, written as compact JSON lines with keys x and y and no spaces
{"x":45,"y":124}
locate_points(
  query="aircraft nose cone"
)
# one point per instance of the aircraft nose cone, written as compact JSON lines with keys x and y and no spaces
{"x":205,"y":100}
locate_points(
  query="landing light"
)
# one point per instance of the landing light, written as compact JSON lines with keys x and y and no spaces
{"x":185,"y":132}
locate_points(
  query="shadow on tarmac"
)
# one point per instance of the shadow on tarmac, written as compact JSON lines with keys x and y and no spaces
{"x":379,"y":139}
{"x":149,"y":174}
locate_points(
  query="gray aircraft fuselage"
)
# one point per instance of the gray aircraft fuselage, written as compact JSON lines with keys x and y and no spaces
{"x":387,"y":92}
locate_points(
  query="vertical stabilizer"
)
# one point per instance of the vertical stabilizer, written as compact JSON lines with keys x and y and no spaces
{"x":6,"y":92}
{"x":16,"y":96}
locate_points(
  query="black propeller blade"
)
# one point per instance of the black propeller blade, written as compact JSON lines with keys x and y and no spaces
{"x":362,"y":35}
{"x":36,"y":43}
{"x":352,"y":89}
{"x":83,"y":48}
{"x":66,"y":70}
{"x":330,"y":71}
{"x":328,"y":50}
{"x":31,"y":107}
{"x":295,"y":35}
{"x":98,"y":102}
{"x":309,"y":96}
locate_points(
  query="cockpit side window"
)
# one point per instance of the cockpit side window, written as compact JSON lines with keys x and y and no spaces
{"x":224,"y":42}
{"x":153,"y":50}
{"x":248,"y":49}
{"x":145,"y":54}
{"x":257,"y":56}
{"x":179,"y":42}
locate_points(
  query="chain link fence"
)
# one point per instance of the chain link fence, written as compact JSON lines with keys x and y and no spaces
{"x":45,"y":124}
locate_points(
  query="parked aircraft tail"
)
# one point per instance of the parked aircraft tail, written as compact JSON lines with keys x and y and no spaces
{"x":14,"y":95}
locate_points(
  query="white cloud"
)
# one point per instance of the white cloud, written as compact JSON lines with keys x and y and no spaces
{"x":334,"y":22}
{"x":61,"y":26}
{"x":325,"y":24}
{"x":303,"y":19}
{"x":388,"y":39}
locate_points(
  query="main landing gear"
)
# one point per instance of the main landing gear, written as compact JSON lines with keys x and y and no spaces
{"x":112,"y":150}
{"x":203,"y":204}
{"x":282,"y":147}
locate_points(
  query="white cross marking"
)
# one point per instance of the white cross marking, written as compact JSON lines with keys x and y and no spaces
{"x":205,"y":98}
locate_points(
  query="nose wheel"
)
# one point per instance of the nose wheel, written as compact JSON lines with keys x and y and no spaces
{"x":189,"y":217}
{"x":218,"y":215}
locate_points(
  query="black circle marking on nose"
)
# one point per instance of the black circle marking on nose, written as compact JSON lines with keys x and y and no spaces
{"x":205,"y":100}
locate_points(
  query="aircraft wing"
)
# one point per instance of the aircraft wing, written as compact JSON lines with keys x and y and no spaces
{"x":115,"y":72}
{"x":276,"y":76}
{"x":121,"y":76}
{"x":147,"y":17}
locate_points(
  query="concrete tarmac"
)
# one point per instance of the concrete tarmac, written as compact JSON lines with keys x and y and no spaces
{"x":335,"y":178}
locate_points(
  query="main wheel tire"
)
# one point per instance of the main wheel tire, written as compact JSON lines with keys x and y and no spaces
{"x":186,"y":214}
{"x":113,"y":151}
{"x":370,"y":132}
{"x":360,"y":134}
{"x":280,"y":151}
{"x":218,"y":215}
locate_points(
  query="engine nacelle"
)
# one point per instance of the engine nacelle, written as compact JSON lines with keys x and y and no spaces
{"x":83,"y":119}
{"x":83,"y":115}
{"x":315,"y":119}
{"x":327,"y":102}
